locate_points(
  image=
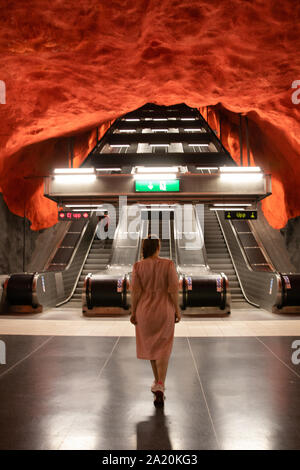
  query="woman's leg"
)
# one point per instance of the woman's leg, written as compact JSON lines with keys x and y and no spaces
{"x":154,"y":368}
{"x":162,"y":366}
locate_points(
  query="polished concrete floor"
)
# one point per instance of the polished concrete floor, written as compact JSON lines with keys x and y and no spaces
{"x":90,"y":392}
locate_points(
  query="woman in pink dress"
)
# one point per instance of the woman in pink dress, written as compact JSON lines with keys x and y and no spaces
{"x":155,"y":310}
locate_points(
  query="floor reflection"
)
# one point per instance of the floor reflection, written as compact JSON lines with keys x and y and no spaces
{"x":154,"y":433}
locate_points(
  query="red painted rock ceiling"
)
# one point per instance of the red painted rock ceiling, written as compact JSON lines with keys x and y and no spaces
{"x":70,"y":66}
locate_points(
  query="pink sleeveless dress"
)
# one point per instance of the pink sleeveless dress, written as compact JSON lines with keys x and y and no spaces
{"x":155,"y":313}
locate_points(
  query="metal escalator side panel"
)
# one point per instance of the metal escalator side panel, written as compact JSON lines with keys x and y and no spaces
{"x":261,"y":289}
{"x":189,"y":240}
{"x":127,"y":237}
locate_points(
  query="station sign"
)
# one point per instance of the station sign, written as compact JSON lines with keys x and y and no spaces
{"x":240,"y":215}
{"x":68,"y":216}
{"x":159,"y":186}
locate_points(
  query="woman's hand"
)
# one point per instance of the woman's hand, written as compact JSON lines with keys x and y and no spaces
{"x":177,"y":316}
{"x":133,"y":319}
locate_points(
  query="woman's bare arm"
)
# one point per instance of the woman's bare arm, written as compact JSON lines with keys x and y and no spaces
{"x":175,"y":301}
{"x":135,"y":297}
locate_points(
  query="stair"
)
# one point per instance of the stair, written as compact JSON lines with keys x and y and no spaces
{"x":218,"y":256}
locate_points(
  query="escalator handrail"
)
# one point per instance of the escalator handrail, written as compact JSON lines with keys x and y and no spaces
{"x":232,"y":259}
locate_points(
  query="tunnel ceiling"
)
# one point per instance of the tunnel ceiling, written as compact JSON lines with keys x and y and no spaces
{"x":69,"y":66}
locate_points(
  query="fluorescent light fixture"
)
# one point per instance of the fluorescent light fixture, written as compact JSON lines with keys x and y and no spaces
{"x":157,"y":169}
{"x":108,"y":169}
{"x":155,"y":176}
{"x":198,"y":145}
{"x":84,"y":205}
{"x":160,"y":119}
{"x":74,"y":171}
{"x":206,"y":168}
{"x":75,"y":179}
{"x":84,"y":210}
{"x":159,"y":130}
{"x":231,"y":205}
{"x":121,"y":145}
{"x":188,"y":119}
{"x":240,"y":169}
{"x":127,"y":130}
{"x":192,"y":130}
{"x":159,"y":145}
{"x":132,"y":120}
{"x":226,"y":209}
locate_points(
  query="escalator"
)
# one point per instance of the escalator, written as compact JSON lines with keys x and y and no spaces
{"x":218,"y":257}
{"x":97,"y":260}
{"x":60,"y":285}
{"x":264,"y":286}
{"x":202,"y":291}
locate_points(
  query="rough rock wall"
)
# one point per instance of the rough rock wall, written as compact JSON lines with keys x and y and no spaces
{"x":12,"y":241}
{"x":291,"y":233}
{"x":69,"y":66}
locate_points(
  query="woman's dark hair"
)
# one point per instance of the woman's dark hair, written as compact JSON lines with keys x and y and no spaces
{"x":150,"y":245}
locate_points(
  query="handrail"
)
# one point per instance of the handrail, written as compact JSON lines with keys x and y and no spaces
{"x":233,"y":262}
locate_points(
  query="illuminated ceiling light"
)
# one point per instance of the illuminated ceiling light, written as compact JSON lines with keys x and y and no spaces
{"x":188,"y":119}
{"x":240,"y":169}
{"x":84,"y":210}
{"x":206,"y":168}
{"x":155,"y":176}
{"x":120,"y":145}
{"x":226,"y":209}
{"x":198,"y":145}
{"x":75,"y":179}
{"x":132,"y":120}
{"x":154,"y":169}
{"x":192,"y":130}
{"x":108,"y":169}
{"x":160,"y":119}
{"x":84,"y":205}
{"x":240,"y":204}
{"x":74,"y":171}
{"x":159,"y":130}
{"x":127,"y":130}
{"x":159,"y":145}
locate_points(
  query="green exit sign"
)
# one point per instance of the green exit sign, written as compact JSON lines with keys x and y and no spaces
{"x":241,"y":215}
{"x":160,"y":186}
